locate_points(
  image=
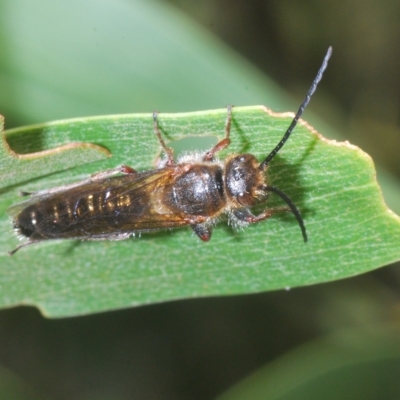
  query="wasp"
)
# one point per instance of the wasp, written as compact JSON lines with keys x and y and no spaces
{"x":195,"y":190}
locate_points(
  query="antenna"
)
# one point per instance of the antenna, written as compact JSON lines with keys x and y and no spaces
{"x":300,"y":111}
{"x":293,"y":208}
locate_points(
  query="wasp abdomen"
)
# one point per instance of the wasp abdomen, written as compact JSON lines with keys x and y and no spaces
{"x":44,"y":220}
{"x":25,"y":224}
{"x":82,"y":213}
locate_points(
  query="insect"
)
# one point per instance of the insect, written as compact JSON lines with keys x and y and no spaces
{"x":195,"y":191}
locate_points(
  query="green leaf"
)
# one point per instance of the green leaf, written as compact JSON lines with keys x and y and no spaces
{"x":28,"y":163}
{"x":333,"y":184}
{"x":63,"y":59}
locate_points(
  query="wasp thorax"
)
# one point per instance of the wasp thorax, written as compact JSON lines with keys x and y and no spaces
{"x":244,"y":180}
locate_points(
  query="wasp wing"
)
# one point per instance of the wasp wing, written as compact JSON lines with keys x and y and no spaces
{"x":110,"y":208}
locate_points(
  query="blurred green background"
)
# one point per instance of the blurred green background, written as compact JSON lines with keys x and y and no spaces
{"x":69,"y":59}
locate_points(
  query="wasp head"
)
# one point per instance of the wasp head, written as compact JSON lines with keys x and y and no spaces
{"x":245,"y":181}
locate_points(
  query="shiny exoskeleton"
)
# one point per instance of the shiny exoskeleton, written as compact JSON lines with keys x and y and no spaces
{"x":195,"y":190}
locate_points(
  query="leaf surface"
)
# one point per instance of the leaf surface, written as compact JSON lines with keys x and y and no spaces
{"x":333,"y":184}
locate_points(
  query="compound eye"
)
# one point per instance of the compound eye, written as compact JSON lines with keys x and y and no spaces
{"x":245,"y":199}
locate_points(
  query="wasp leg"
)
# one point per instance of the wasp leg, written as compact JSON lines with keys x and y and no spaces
{"x":244,"y":215}
{"x":197,"y":223}
{"x":122,"y":169}
{"x":27,"y":243}
{"x":23,"y":193}
{"x":224,"y":143}
{"x":202,"y":232}
{"x":168,"y":151}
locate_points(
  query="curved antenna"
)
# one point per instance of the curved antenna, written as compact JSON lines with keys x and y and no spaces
{"x":300,"y":111}
{"x":292,"y":207}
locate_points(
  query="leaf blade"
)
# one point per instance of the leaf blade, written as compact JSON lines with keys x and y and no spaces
{"x":350,"y":228}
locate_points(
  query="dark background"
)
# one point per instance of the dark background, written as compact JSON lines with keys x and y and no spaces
{"x":285,"y":40}
{"x":196,"y":349}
